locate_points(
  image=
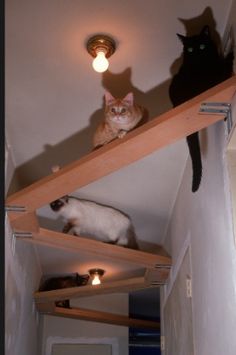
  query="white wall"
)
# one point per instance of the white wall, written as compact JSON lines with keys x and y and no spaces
{"x":22,"y":274}
{"x":206,"y":218}
{"x":9,"y":165}
{"x":59,"y":330}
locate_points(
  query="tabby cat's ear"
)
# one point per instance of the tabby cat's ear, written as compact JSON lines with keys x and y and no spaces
{"x":129,"y":98}
{"x":108,"y":97}
{"x":181,"y":37}
{"x":205,"y":31}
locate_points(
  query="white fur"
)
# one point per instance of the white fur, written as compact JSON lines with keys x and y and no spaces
{"x":104,"y":223}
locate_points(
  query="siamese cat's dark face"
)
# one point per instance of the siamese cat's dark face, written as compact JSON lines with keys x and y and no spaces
{"x":58,"y":204}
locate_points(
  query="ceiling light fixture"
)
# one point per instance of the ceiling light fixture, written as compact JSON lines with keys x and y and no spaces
{"x":101,"y":47}
{"x":96,"y":274}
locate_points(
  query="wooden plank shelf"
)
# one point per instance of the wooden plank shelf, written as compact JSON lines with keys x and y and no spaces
{"x":84,"y":245}
{"x":151,"y":278}
{"x":27,"y":222}
{"x":120,"y":286}
{"x":98,"y":316}
{"x":156,"y":267}
{"x":157,"y":133}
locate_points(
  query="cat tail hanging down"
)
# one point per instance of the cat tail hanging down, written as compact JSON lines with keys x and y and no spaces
{"x":195,"y":153}
{"x":132,"y":241}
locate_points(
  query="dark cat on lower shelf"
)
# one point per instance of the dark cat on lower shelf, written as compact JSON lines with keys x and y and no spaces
{"x":59,"y":282}
{"x":203,"y":67}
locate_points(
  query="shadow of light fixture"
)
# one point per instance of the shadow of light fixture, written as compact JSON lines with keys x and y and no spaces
{"x":101,"y":47}
{"x":96,"y":275}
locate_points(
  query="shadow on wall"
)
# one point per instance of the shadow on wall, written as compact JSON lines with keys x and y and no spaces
{"x":156,"y":101}
{"x":193,"y":26}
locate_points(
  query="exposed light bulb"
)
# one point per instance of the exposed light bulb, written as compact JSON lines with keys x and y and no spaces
{"x":95,"y":274}
{"x":96,"y":280}
{"x":100,"y":63}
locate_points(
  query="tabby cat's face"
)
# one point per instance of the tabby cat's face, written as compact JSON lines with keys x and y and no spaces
{"x":119,"y":111}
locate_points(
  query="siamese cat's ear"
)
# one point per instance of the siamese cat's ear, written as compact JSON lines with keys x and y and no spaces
{"x":129,"y":98}
{"x":108,"y":97}
{"x":65,"y":198}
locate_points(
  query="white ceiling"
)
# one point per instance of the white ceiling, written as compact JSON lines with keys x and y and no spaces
{"x":54,"y":99}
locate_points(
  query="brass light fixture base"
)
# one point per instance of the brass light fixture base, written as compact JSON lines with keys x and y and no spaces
{"x":96,"y":271}
{"x":102,"y":42}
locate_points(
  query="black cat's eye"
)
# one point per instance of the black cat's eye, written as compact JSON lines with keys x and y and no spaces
{"x":190,"y":49}
{"x":113,"y":110}
{"x":123,"y":110}
{"x":202,"y":46}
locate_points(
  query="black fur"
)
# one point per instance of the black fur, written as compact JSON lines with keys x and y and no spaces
{"x":55,"y":283}
{"x":202,"y":68}
{"x":57,"y":204}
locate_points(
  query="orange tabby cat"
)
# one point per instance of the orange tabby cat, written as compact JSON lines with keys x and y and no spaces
{"x":121,"y":115}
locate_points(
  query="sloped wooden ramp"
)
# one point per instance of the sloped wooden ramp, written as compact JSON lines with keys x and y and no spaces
{"x":84,"y":245}
{"x":45,"y":301}
{"x":158,"y":133}
{"x":100,"y":317}
{"x":120,"y":286}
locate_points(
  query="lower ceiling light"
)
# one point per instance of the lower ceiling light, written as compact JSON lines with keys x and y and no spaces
{"x":96,"y":275}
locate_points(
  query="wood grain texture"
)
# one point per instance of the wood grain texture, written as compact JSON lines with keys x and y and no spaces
{"x":46,"y":308}
{"x":88,"y":246}
{"x":101,"y":317}
{"x":121,"y":286}
{"x":25,"y":223}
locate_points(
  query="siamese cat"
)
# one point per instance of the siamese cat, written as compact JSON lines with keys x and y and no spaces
{"x":101,"y":222}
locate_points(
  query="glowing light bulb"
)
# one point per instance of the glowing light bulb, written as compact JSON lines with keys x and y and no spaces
{"x":96,"y":280}
{"x":100,"y":63}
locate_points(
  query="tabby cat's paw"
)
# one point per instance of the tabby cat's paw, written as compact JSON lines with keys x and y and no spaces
{"x":121,"y":134}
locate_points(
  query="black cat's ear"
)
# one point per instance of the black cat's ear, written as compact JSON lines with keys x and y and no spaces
{"x":181,"y":37}
{"x":205,"y":31}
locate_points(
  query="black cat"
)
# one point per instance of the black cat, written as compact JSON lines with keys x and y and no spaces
{"x":55,"y":283}
{"x":202,"y":68}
